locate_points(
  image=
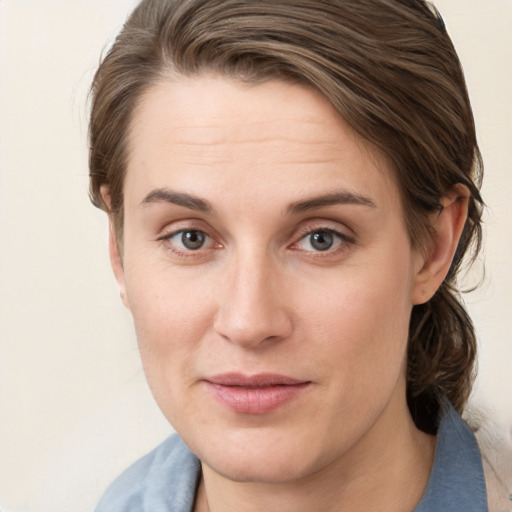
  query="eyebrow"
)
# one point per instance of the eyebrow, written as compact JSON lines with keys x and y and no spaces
{"x":189,"y":201}
{"x":332,"y":199}
{"x":201,"y":205}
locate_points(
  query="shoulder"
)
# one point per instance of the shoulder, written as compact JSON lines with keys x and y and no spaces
{"x":457,"y":479}
{"x":164,"y":479}
{"x":493,"y":432}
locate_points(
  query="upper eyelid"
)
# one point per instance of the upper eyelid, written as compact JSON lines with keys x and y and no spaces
{"x":174,"y":232}
{"x":170,"y":229}
{"x":344,"y":233}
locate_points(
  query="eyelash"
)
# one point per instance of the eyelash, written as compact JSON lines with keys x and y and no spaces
{"x":185,"y":253}
{"x":343,"y":244}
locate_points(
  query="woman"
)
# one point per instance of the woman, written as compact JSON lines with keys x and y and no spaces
{"x":292,"y":187}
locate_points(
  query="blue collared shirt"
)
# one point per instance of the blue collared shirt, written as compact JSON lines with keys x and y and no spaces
{"x":166,"y":479}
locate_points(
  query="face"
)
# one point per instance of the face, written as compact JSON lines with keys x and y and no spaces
{"x":270,"y":276}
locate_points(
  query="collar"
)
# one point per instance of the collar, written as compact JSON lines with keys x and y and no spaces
{"x":457,"y":478}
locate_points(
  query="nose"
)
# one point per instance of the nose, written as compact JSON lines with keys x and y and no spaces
{"x":253,"y":310}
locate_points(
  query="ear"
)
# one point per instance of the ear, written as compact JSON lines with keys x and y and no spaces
{"x":116,"y":259}
{"x":447,"y":228}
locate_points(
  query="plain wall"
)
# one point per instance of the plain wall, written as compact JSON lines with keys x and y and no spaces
{"x":74,"y":408}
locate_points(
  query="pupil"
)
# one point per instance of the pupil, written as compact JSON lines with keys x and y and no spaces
{"x":322,"y":241}
{"x":193,"y":239}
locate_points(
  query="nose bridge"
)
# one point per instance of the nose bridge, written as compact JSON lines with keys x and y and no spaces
{"x":253,"y":307}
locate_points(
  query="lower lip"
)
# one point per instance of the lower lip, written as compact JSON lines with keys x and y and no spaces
{"x":258,"y":400}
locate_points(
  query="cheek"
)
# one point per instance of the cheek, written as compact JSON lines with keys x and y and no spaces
{"x":167,"y":307}
{"x":171,"y":318}
{"x":361,"y":327}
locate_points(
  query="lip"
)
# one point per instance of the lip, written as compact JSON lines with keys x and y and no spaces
{"x":254,"y":394}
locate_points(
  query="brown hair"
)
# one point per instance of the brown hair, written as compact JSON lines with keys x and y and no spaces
{"x":387,"y":66}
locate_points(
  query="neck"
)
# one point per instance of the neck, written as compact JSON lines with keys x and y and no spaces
{"x":387,"y":470}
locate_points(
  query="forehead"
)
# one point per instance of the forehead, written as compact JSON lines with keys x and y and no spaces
{"x":212,"y":131}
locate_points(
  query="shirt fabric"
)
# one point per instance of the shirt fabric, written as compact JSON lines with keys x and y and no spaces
{"x":166,"y":479}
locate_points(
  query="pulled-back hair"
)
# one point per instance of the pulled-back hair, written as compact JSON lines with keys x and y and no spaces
{"x":389,"y":69}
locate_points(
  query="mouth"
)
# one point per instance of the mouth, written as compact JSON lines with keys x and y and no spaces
{"x":254,"y":394}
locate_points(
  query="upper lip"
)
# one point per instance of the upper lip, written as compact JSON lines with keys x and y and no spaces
{"x":259,"y":380}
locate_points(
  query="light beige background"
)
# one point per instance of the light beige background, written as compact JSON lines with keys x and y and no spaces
{"x":74,"y":409}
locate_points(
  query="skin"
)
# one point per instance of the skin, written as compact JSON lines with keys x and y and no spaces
{"x":259,"y":296}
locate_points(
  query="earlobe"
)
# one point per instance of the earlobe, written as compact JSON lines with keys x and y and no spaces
{"x":447,"y":227}
{"x":115,"y":254}
{"x":117,"y":263}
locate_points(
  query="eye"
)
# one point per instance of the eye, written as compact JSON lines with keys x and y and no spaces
{"x":321,"y":240}
{"x":189,"y":239}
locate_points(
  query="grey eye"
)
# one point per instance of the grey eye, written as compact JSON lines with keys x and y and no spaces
{"x":321,"y":240}
{"x":193,"y":239}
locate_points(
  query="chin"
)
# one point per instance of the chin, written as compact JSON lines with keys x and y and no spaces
{"x":270,"y":469}
{"x":265,"y":457}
